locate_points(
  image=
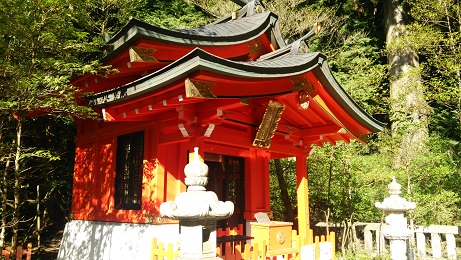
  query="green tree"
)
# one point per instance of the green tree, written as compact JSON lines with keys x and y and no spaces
{"x":175,"y":14}
{"x":217,"y":9}
{"x":435,"y":183}
{"x":283,"y":189}
{"x":101,"y":19}
{"x":46,"y":44}
{"x":409,"y":108}
{"x":344,"y":182}
{"x":41,"y":50}
{"x":435,"y":35}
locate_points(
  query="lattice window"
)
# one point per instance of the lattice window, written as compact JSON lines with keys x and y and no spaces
{"x":128,"y":180}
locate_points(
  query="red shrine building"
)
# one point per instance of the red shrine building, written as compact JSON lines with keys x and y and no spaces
{"x":234,"y":89}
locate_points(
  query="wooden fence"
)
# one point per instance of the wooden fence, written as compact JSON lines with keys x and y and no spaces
{"x":310,"y":248}
{"x":6,"y":253}
{"x":158,"y":251}
{"x":441,"y":237}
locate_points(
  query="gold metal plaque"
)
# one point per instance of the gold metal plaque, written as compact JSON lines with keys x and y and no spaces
{"x":269,"y":124}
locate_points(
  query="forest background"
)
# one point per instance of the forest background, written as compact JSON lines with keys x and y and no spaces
{"x":398,"y":59}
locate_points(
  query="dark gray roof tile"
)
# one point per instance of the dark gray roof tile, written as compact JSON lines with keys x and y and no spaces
{"x":222,"y":34}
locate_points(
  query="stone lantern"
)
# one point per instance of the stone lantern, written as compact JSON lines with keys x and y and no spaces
{"x":396,"y":230}
{"x":197,"y":211}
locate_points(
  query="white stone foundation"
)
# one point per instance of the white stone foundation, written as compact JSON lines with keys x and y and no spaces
{"x":94,"y":240}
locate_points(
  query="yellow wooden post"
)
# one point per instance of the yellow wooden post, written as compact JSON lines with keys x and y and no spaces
{"x":161,"y":252}
{"x":302,"y":195}
{"x":153,"y":255}
{"x":256,"y":252}
{"x":317,"y":247}
{"x":333,"y":245}
{"x":310,"y":237}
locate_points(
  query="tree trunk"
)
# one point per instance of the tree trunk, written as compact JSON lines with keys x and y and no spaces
{"x":17,"y":188}
{"x":3,"y":192}
{"x":289,"y":211}
{"x":344,"y":236}
{"x":409,"y":109}
{"x":39,"y":230}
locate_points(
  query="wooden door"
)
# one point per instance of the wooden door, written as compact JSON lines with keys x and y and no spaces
{"x":226,"y":179}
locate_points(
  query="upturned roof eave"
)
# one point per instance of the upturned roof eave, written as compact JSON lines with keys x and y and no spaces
{"x":212,"y":35}
{"x":200,"y":60}
{"x":338,"y":93}
{"x":284,"y":66}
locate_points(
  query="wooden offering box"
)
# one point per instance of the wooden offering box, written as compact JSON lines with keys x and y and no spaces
{"x":276,"y":234}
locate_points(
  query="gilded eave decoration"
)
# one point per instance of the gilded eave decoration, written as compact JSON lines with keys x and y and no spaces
{"x":269,"y":124}
{"x":142,"y":54}
{"x":201,"y":89}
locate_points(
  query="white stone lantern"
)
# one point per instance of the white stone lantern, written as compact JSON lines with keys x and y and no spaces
{"x":197,"y":211}
{"x":396,"y":230}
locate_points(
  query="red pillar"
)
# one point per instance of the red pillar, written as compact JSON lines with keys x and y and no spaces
{"x":257,"y":189}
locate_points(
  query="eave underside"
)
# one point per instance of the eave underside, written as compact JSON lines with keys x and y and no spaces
{"x":235,"y":120}
{"x":201,"y":94}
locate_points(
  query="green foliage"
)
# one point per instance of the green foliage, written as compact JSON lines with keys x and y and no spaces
{"x":357,"y":67}
{"x":435,"y":34}
{"x":276,"y":202}
{"x":45,"y":44}
{"x":359,"y":179}
{"x":346,"y":181}
{"x":101,"y":19}
{"x":217,"y":9}
{"x":42,"y":50}
{"x":296,"y":18}
{"x":349,"y":178}
{"x":173,"y":14}
{"x":41,"y":55}
{"x":351,"y":255}
{"x":435,"y":181}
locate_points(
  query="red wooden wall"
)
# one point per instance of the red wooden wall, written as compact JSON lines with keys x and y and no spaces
{"x":163,"y":171}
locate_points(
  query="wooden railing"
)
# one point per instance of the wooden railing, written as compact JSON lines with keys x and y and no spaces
{"x":6,"y":253}
{"x":310,"y":248}
{"x":220,"y":232}
{"x":374,"y":241}
{"x":159,"y":252}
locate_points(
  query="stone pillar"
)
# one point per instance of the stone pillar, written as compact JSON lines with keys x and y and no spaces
{"x":197,"y":239}
{"x":197,"y":211}
{"x":396,"y":230}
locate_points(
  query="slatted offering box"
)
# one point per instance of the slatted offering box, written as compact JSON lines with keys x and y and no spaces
{"x":276,"y":234}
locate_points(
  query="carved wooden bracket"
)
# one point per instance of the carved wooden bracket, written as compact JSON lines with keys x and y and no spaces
{"x":256,"y":47}
{"x":301,"y":83}
{"x":195,"y":88}
{"x":142,"y":54}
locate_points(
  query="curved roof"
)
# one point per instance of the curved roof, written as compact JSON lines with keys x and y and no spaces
{"x":269,"y":71}
{"x":201,"y":76}
{"x":219,"y":34}
{"x":201,"y":60}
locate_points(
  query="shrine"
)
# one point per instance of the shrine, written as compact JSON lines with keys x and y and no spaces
{"x":234,"y":89}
